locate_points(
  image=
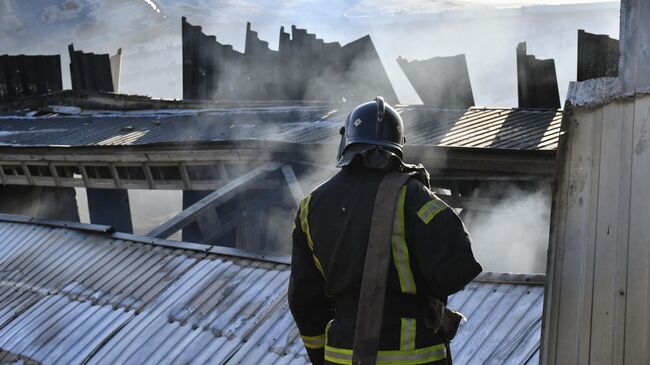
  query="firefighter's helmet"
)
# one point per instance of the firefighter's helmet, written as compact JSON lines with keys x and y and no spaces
{"x":374,"y":123}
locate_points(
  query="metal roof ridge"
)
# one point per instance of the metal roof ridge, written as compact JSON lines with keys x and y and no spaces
{"x":478,"y":107}
{"x":484,"y":277}
{"x":110,"y":232}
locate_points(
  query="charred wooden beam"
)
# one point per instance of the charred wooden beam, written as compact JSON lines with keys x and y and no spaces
{"x":536,"y":81}
{"x":22,"y":75}
{"x":598,"y":56}
{"x":92,"y":72}
{"x":189,"y":215}
{"x":304,"y":68}
{"x":441,"y":82}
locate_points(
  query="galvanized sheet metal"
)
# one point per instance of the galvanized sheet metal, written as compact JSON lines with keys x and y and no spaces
{"x":71,"y":296}
{"x":599,"y":251}
{"x":518,"y":129}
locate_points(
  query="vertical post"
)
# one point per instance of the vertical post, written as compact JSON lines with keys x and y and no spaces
{"x":192,"y":233}
{"x":635,"y":45}
{"x":110,"y":207}
{"x":522,"y":76}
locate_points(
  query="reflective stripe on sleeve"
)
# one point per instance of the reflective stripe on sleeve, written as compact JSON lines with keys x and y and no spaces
{"x":430,"y":210}
{"x":407,"y":335}
{"x":411,"y":357}
{"x":314,"y":342}
{"x":304,"y":224}
{"x":400,"y":250}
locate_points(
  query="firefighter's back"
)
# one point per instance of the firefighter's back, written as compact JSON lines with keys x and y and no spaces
{"x":340,"y":214}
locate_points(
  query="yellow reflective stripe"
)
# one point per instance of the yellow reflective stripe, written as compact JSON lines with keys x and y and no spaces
{"x":430,"y":210}
{"x":318,"y":265}
{"x":400,"y":250}
{"x":314,"y":342}
{"x":407,"y":335}
{"x":304,"y":224}
{"x":410,"y":357}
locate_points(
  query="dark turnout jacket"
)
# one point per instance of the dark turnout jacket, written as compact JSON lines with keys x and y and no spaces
{"x":430,"y":256}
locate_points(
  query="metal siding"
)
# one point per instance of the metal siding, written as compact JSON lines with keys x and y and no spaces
{"x":73,"y":296}
{"x":504,"y":327}
{"x":517,"y":129}
{"x":637,"y":291}
{"x":599,"y":291}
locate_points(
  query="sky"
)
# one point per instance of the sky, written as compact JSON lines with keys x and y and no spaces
{"x":487,"y":31}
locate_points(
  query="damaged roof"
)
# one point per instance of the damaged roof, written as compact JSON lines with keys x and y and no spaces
{"x":494,"y":128}
{"x":78,"y":293}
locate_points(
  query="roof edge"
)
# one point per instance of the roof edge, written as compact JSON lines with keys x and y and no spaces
{"x":110,"y":232}
{"x":484,"y":277}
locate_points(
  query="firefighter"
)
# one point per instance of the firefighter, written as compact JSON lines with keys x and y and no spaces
{"x":431,"y":256}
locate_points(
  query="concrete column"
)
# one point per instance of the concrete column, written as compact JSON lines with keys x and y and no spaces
{"x":635,"y":45}
{"x":110,"y":207}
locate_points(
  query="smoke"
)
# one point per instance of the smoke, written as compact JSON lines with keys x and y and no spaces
{"x":512,"y":237}
{"x":9,"y":23}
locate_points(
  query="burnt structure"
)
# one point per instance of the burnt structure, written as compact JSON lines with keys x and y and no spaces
{"x":303,"y":68}
{"x":29,"y":75}
{"x":116,"y":65}
{"x":242,"y":169}
{"x":441,"y":82}
{"x":598,"y":56}
{"x":45,"y":202}
{"x":110,"y":207}
{"x":536,"y":81}
{"x":92,"y":72}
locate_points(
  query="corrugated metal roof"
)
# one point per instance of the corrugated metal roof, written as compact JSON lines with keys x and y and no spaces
{"x":80,"y":294}
{"x":518,"y":129}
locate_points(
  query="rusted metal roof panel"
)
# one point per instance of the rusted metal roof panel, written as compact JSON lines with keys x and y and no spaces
{"x":516,"y":129}
{"x":85,"y":295}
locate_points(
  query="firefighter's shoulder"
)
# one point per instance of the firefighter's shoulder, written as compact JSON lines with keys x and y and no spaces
{"x":427,"y":204}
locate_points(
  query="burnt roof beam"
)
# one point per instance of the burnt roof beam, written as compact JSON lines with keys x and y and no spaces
{"x":536,"y":81}
{"x":190,"y":214}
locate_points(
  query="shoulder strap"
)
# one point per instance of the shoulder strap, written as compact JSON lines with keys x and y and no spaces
{"x":375,"y":270}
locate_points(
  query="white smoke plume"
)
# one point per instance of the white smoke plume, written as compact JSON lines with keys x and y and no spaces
{"x":513,"y":237}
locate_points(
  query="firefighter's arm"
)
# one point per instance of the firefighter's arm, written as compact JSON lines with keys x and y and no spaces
{"x":443,"y":249}
{"x":311,"y":309}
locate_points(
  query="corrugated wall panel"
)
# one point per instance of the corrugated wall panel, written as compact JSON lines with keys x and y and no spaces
{"x":598,"y":310}
{"x":637,"y":291}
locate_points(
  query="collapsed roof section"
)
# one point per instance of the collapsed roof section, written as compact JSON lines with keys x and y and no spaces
{"x":304,"y":68}
{"x":598,"y":56}
{"x":94,"y":72}
{"x":29,"y":75}
{"x":441,"y":82}
{"x":235,"y":165}
{"x":536,"y":81}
